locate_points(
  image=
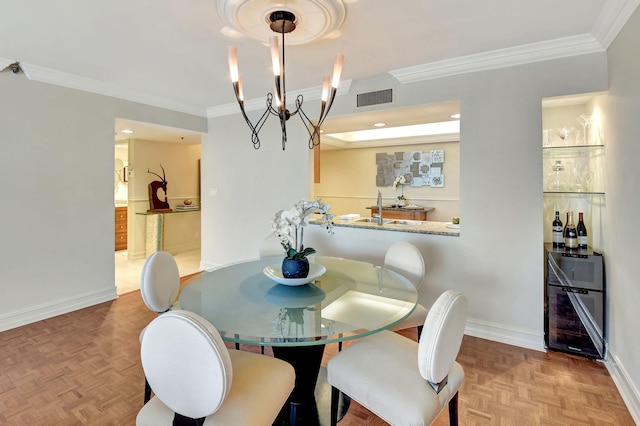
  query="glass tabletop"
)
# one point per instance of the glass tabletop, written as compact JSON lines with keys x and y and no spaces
{"x":350,"y":299}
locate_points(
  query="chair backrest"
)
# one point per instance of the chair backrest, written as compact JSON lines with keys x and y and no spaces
{"x":406,"y":259}
{"x":160,"y":281}
{"x":186,"y":363}
{"x":271,"y":247}
{"x":442,"y":335}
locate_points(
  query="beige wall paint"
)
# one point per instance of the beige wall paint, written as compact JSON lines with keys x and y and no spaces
{"x":348,"y":181}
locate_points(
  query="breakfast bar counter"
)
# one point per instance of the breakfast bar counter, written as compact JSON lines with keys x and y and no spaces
{"x":398,"y":225}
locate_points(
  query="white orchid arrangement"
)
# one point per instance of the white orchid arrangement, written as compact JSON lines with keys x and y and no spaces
{"x":400,"y":180}
{"x":288,"y":226}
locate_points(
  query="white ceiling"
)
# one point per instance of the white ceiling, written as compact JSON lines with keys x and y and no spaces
{"x":171,"y":53}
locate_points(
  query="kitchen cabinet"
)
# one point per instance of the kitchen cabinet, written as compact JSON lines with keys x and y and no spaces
{"x":121,"y":228}
{"x":402,"y":212}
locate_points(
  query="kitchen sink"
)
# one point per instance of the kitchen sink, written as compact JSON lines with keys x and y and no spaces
{"x":375,"y":220}
{"x":408,"y":222}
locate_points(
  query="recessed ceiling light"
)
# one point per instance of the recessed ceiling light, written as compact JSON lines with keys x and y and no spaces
{"x":379,"y":124}
{"x":127,"y":131}
{"x":456,"y":116}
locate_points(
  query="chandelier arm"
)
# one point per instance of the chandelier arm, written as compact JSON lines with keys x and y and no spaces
{"x":283,"y":126}
{"x":308,"y":124}
{"x":254,"y":129}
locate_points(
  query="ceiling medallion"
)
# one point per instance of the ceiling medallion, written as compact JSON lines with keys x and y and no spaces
{"x":314,"y":19}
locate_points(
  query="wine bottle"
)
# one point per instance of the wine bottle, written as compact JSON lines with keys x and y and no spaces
{"x":570,"y":234}
{"x":581,"y":229}
{"x":558,"y":237}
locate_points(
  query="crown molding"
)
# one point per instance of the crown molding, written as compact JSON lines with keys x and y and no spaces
{"x":258,"y":104}
{"x":72,"y":81}
{"x":612,"y":19}
{"x":501,"y":58}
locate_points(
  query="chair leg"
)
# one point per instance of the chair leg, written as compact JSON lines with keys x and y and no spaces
{"x":147,"y":391}
{"x":339,"y":346}
{"x":237,"y":346}
{"x":335,"y":397}
{"x":453,"y":410}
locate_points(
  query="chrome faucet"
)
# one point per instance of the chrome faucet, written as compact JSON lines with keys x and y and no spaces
{"x":379,"y":207}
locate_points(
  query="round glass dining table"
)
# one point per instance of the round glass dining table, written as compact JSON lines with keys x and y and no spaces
{"x":250,"y":303}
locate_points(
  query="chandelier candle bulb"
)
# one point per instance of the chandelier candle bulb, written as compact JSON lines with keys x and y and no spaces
{"x":275,"y":56}
{"x":325,"y":88}
{"x":232,"y":57}
{"x":337,"y":70}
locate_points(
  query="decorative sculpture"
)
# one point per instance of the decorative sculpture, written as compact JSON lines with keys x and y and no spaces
{"x":156,"y":204}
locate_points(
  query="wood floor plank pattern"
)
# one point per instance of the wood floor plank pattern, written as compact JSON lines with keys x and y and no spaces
{"x":83,"y":368}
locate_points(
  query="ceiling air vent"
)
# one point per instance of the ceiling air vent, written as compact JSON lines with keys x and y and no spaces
{"x":375,"y":98}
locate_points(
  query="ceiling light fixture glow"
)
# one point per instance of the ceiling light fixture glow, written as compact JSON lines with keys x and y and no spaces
{"x":379,"y":124}
{"x":127,"y":131}
{"x":429,"y":129}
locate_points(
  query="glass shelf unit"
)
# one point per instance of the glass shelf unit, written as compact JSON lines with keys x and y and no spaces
{"x":574,"y":180}
{"x":573,"y":169}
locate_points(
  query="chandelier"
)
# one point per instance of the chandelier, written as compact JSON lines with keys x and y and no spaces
{"x":283,"y":22}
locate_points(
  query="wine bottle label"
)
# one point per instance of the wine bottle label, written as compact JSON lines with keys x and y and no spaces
{"x":557,"y":236}
{"x":582,"y":241}
{"x":571,"y":243}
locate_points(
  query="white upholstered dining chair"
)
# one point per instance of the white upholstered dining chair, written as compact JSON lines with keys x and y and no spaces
{"x":197,"y":380}
{"x":406,"y":259}
{"x":402,"y":381}
{"x":159,"y":288}
{"x":271,"y":247}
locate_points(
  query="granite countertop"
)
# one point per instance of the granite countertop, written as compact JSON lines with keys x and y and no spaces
{"x":412,"y":226}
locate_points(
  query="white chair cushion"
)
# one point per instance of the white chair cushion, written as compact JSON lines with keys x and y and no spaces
{"x":182,"y":351}
{"x":405,"y":258}
{"x":260,"y":386}
{"x":160,"y":281}
{"x":381,"y":373}
{"x":415,"y":319}
{"x":442,"y":335}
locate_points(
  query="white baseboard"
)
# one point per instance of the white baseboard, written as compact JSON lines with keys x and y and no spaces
{"x":628,"y":391}
{"x":58,"y":307}
{"x":502,"y":334}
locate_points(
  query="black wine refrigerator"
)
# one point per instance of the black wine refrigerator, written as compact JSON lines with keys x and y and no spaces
{"x":575,"y":295}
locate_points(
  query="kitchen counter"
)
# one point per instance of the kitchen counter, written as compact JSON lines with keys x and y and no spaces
{"x":411,"y":226}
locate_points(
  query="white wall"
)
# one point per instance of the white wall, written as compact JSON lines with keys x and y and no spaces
{"x":622,"y":127}
{"x":57,"y":224}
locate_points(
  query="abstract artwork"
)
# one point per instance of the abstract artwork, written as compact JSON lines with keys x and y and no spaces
{"x":418,"y":168}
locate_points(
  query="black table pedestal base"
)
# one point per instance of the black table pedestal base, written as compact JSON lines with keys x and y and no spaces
{"x":310,"y":401}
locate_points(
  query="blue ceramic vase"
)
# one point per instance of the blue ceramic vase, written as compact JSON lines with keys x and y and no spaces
{"x":295,"y":268}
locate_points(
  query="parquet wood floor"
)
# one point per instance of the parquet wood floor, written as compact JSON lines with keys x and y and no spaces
{"x":83,"y":368}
